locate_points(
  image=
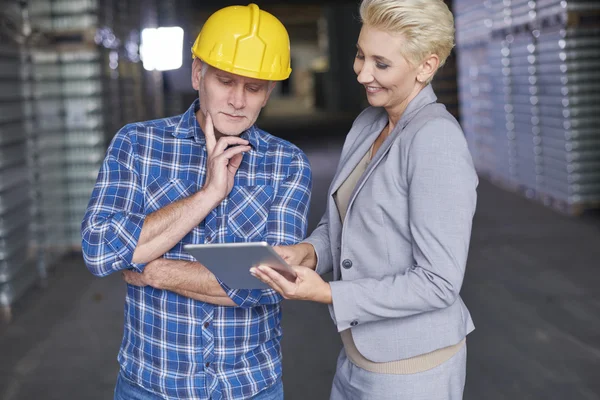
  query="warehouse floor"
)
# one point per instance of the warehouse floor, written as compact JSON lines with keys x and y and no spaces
{"x":532,"y":288}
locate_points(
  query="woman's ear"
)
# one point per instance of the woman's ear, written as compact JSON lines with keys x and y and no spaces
{"x":196,"y":72}
{"x":428,"y":68}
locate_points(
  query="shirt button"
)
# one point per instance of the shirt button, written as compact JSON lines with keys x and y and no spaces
{"x":347,"y":264}
{"x":209,"y":238}
{"x":206,"y":324}
{"x":207,"y":364}
{"x":354,"y":323}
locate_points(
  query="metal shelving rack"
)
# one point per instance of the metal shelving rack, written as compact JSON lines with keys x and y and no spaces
{"x":543,"y":62}
{"x":473,"y":33}
{"x":46,"y":127}
{"x":70,"y":77}
{"x":569,"y":83}
{"x":84,"y":82}
{"x":17,"y":270}
{"x":68,"y":119}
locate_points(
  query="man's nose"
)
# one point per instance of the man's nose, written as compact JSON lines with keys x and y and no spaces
{"x":237,"y":97}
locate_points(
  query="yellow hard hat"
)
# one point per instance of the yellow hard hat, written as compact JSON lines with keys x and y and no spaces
{"x":247,"y":41}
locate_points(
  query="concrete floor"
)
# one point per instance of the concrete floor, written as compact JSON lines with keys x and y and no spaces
{"x":532,"y":288}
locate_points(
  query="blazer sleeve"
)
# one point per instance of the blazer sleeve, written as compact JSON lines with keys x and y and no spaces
{"x":441,"y":183}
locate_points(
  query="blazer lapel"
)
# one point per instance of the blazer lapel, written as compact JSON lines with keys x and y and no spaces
{"x":358,"y":150}
{"x":423,"y":99}
{"x":385,"y":147}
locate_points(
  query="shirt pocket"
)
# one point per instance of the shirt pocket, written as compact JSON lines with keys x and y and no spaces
{"x":162,"y":191}
{"x":248,"y":210}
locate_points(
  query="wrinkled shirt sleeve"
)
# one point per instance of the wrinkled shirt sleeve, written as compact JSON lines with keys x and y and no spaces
{"x":115,"y":214}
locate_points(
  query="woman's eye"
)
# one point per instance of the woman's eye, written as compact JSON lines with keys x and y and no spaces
{"x":360,"y":56}
{"x":381,"y":66}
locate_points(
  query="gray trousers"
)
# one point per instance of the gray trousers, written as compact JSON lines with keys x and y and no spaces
{"x":444,"y":382}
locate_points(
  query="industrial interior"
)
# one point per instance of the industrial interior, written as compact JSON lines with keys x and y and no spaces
{"x":523,"y":81}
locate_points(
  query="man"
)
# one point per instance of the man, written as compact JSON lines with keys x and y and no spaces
{"x":206,"y":176}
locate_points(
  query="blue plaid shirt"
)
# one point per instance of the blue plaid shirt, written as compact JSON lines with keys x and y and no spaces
{"x":172,"y":345}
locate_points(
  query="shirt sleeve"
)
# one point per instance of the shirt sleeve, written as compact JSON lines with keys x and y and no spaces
{"x":115,"y":214}
{"x":287,"y":224}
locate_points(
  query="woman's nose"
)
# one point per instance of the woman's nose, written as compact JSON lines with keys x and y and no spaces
{"x":364,"y":74}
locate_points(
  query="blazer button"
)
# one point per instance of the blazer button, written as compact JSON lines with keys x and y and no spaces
{"x":347,"y":264}
{"x":354,"y":323}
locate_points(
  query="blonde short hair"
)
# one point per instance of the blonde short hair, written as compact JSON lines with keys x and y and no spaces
{"x":426,"y":25}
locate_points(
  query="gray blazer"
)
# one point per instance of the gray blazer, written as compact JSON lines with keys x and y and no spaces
{"x":399,"y":259}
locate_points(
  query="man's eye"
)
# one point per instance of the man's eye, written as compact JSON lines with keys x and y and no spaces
{"x":253,"y":89}
{"x":225,"y":82}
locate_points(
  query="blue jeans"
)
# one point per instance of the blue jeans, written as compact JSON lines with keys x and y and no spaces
{"x":127,"y":390}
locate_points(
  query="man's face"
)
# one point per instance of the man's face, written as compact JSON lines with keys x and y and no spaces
{"x":233,"y":101}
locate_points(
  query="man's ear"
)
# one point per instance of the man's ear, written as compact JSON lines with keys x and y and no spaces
{"x":196,"y":73}
{"x":428,"y":67}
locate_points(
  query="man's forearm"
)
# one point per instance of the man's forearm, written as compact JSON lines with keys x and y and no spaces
{"x":190,"y":279}
{"x":164,"y":228}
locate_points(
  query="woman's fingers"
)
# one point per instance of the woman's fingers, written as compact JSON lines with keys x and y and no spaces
{"x":280,"y":280}
{"x":276,"y":280}
{"x":263,"y":276}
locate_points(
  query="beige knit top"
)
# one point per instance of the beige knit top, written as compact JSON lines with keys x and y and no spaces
{"x":412,"y":365}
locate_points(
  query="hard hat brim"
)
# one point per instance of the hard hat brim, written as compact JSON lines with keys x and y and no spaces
{"x":227,"y":67}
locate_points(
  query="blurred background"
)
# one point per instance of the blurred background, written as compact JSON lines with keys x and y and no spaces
{"x":524,"y":81}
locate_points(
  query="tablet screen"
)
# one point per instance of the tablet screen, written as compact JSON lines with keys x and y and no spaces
{"x":231,"y":262}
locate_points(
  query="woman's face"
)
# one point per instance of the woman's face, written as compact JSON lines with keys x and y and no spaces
{"x":389,"y":80}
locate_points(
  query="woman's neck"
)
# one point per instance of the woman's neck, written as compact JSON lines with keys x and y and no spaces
{"x":396,"y":112}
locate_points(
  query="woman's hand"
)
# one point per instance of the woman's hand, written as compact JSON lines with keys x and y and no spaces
{"x":307,"y":286}
{"x":302,"y":254}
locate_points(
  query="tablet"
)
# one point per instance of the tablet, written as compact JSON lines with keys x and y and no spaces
{"x":231,"y":262}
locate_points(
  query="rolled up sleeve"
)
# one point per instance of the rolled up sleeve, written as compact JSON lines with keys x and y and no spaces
{"x":114,"y":217}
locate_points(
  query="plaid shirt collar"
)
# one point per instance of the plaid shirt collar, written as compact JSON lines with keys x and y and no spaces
{"x":188,"y":127}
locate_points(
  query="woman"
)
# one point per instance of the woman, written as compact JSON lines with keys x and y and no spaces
{"x":398,"y":222}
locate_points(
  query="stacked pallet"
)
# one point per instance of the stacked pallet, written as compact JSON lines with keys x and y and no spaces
{"x":542,"y":59}
{"x":473,"y":33}
{"x":85,"y":85}
{"x":17,"y":270}
{"x":70,"y":77}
